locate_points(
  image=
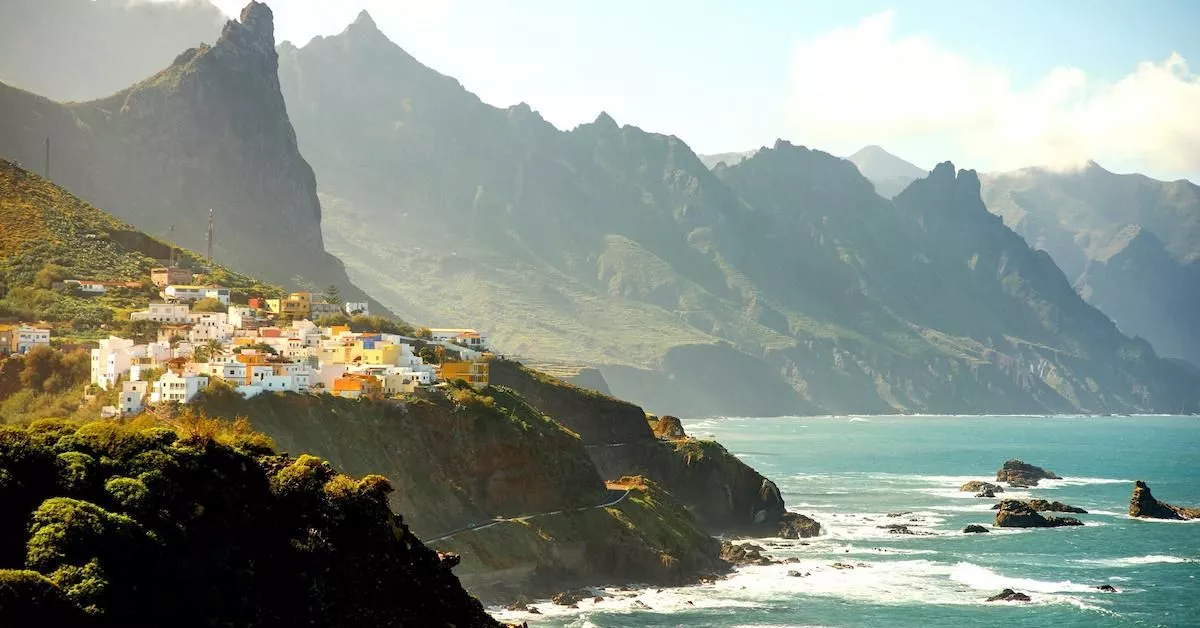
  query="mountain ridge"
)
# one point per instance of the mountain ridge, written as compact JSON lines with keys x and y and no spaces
{"x":210,"y":131}
{"x":610,"y":246}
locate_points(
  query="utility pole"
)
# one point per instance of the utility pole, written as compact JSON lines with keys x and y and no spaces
{"x":210,"y":236}
{"x":46,"y":172}
{"x":171,"y":237}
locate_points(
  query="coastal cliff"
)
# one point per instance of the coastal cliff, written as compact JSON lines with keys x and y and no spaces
{"x":487,"y":476}
{"x":724,"y":493}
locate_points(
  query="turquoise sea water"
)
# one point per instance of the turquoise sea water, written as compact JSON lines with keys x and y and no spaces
{"x":850,"y":473}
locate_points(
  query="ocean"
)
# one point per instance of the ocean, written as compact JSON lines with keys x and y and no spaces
{"x":851,"y":473}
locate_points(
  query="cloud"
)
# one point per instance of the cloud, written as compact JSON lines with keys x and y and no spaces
{"x":866,"y":84}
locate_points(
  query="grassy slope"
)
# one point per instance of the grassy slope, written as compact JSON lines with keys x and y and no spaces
{"x":41,"y":223}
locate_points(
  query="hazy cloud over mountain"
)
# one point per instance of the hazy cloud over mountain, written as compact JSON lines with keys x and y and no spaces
{"x":866,"y":84}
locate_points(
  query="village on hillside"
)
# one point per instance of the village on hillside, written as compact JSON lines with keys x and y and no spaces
{"x":296,"y":343}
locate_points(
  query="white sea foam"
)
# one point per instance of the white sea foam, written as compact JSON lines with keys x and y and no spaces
{"x":1080,"y":481}
{"x":1133,"y":561}
{"x":984,"y":579}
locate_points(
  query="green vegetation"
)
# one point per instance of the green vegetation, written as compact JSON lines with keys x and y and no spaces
{"x":208,"y":304}
{"x":45,"y":383}
{"x":48,"y":235}
{"x":135,"y":524}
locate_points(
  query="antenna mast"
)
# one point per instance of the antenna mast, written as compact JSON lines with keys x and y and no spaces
{"x":210,"y":235}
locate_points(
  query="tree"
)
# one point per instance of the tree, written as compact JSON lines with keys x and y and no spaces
{"x":331,"y":320}
{"x":332,"y":295}
{"x":49,"y":274}
{"x":208,"y":304}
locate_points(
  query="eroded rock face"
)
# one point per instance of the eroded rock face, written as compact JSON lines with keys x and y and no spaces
{"x":797,"y":526}
{"x":744,"y":554}
{"x":1041,"y":505}
{"x":1017,"y":514}
{"x":670,"y":428}
{"x":1020,"y":473}
{"x":1143,"y":504}
{"x":572,"y":597}
{"x":1008,"y":595}
{"x":979,"y":486}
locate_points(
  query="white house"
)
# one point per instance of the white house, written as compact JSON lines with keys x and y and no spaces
{"x":209,"y":326}
{"x":195,"y":293}
{"x":239,"y":315}
{"x":86,"y":286}
{"x":164,"y":313}
{"x":178,"y":388}
{"x":133,"y":394}
{"x":356,"y":307}
{"x":469,"y":338}
{"x":111,"y":360}
{"x":30,"y":337}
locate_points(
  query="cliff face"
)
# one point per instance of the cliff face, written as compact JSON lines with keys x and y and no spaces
{"x":209,"y":132}
{"x":722,"y":492}
{"x":459,"y":464}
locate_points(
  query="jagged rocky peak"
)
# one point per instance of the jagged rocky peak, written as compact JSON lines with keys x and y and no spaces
{"x":364,"y":27}
{"x":253,"y":32}
{"x":364,"y":20}
{"x":606,"y":121}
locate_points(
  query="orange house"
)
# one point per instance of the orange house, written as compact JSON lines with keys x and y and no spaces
{"x":355,"y":386}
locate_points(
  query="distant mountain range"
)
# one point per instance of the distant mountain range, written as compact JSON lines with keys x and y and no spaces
{"x":781,"y":283}
{"x":1131,"y":244}
{"x":210,"y":131}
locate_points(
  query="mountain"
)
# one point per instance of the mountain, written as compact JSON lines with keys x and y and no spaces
{"x":47,"y":235}
{"x":889,"y":173}
{"x":781,"y":284}
{"x":211,"y":131}
{"x":84,"y":49}
{"x":728,"y":159}
{"x":1129,"y":243}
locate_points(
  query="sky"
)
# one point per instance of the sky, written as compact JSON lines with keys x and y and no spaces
{"x":989,"y":85}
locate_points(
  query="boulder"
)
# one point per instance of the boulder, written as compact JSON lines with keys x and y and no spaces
{"x":572,"y":597}
{"x":896,"y":528}
{"x":1023,"y":474}
{"x":1107,"y":588}
{"x":743,"y":554}
{"x":1041,"y":505}
{"x":522,"y":604}
{"x":1008,"y":595}
{"x":669,"y":428}
{"x":987,"y":492}
{"x":1142,"y":504}
{"x":796,"y":526}
{"x":979,"y":486}
{"x":975,"y":529}
{"x":1017,"y":514}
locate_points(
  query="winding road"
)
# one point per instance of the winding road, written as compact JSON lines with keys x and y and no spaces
{"x":499,"y":520}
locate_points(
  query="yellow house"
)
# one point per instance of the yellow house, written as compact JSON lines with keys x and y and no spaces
{"x":474,"y":373}
{"x":297,"y":305}
{"x":360,"y":352}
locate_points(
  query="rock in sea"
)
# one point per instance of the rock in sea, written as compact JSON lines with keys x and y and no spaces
{"x":1008,"y":595}
{"x":1023,"y":474}
{"x":1142,"y":504}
